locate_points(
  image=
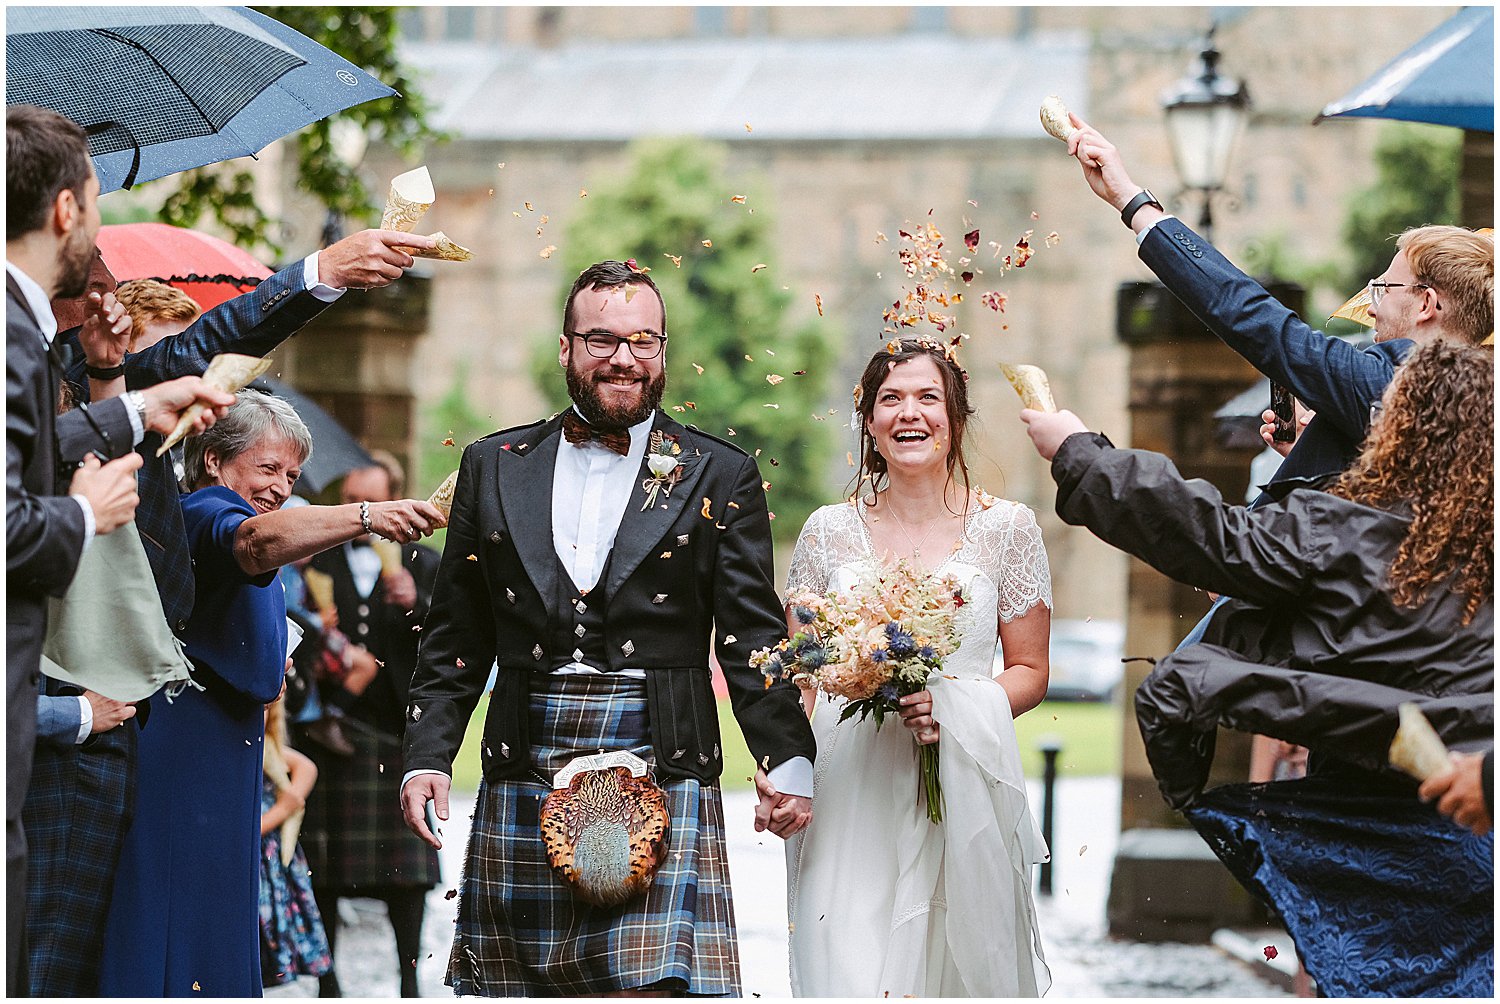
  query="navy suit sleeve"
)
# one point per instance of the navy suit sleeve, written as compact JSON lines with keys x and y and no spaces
{"x":252,"y":324}
{"x":1332,"y":377}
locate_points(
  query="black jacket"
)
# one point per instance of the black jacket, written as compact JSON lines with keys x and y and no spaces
{"x":695,"y":566}
{"x":1312,"y":650}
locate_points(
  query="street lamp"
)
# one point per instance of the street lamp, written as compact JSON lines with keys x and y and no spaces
{"x":1205,"y":114}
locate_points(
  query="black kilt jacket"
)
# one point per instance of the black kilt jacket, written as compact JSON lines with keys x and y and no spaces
{"x":694,"y":566}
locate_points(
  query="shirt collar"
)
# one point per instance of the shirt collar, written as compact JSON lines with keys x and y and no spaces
{"x":37,"y":299}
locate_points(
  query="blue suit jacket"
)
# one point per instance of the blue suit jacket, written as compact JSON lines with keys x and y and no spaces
{"x":1335,"y":379}
{"x":252,"y":324}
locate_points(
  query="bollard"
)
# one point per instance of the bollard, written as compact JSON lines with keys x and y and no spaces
{"x":1049,"y":746}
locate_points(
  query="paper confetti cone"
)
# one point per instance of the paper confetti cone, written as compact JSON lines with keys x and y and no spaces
{"x":1055,"y":118}
{"x":1031,"y":383}
{"x":1417,"y":749}
{"x":228,"y":372}
{"x":443,"y":497}
{"x":410,"y":197}
{"x":446,"y":250}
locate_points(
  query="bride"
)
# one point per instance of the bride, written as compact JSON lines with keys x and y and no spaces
{"x":882,"y":901}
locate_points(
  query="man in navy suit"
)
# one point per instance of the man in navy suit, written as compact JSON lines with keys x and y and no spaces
{"x":84,"y":790}
{"x":1440,"y":284}
{"x":52,"y":217}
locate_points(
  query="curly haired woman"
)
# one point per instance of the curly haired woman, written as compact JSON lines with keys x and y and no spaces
{"x":1348,"y":603}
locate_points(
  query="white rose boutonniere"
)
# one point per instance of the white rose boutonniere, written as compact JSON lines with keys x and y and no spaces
{"x":665,"y":461}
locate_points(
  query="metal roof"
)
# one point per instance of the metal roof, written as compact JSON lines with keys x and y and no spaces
{"x":919,"y":86}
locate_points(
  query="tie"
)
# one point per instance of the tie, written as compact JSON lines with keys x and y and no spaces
{"x":576,"y":431}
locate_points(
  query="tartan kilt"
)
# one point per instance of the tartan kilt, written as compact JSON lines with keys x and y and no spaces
{"x":353,"y":834}
{"x":521,"y":932}
{"x":78,"y":807}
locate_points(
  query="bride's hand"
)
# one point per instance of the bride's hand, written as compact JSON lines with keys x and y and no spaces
{"x":916,"y":714}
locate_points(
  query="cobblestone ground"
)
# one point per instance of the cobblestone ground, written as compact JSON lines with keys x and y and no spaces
{"x":1084,"y":962}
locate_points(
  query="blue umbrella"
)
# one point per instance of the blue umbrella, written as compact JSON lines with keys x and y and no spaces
{"x":168,"y":89}
{"x":1448,"y":78}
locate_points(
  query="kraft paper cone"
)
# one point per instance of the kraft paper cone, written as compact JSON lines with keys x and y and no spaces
{"x":1055,"y":118}
{"x":320,"y":588}
{"x":443,"y":497}
{"x":1031,"y":383}
{"x":390,"y":555}
{"x":410,"y":197}
{"x":1417,"y":750}
{"x":228,"y":372}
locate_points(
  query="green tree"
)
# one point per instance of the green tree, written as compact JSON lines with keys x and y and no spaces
{"x":1416,"y":184}
{"x":736,"y":367}
{"x":366,"y":36}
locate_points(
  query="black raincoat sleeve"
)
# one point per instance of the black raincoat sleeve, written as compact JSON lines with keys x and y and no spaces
{"x":1137,"y":501}
{"x":1202,"y":686}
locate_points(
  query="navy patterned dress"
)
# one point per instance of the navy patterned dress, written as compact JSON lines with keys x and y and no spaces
{"x":292,"y":940}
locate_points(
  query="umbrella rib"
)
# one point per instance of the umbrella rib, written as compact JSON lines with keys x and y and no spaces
{"x":165,"y":72}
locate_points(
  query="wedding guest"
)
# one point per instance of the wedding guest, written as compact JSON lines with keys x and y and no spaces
{"x":189,"y":864}
{"x":1347,"y":604}
{"x":356,"y":845}
{"x":292,"y":938}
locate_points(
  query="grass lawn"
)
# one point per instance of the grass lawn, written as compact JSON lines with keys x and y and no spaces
{"x":1090,"y":736}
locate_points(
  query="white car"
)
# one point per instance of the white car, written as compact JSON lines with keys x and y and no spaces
{"x":1085,"y":660}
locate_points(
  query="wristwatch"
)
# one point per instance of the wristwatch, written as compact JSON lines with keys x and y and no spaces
{"x":137,"y":400}
{"x":1142,"y":198}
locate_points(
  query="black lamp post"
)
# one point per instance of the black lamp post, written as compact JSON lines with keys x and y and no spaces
{"x":1205,"y":114}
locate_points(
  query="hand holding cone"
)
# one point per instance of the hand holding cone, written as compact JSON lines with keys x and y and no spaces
{"x":1031,"y":383}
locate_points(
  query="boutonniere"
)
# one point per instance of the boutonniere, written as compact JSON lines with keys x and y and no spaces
{"x":666,"y":463}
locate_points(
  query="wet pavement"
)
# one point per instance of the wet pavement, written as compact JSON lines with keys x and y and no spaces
{"x":1084,"y":962}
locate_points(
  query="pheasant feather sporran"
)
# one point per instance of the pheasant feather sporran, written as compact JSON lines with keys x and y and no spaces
{"x":606,"y":834}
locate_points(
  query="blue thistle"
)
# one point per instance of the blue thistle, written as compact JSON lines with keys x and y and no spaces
{"x":889,"y":693}
{"x":901,"y":643}
{"x":878,"y":655}
{"x":804,"y":615}
{"x":812,"y":656}
{"x":927,"y":654}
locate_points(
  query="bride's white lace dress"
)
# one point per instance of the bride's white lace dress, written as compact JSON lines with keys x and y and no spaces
{"x":881,"y":900}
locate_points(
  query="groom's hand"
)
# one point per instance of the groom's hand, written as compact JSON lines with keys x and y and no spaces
{"x":1048,"y":429}
{"x":414,"y":797}
{"x":783,"y":815}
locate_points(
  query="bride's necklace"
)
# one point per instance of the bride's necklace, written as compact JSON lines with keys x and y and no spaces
{"x":916,"y":546}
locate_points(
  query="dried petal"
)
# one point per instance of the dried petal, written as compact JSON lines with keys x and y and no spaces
{"x":818,"y":302}
{"x":546,"y":252}
{"x":774,"y":378}
{"x":698,"y":368}
{"x":756,"y":268}
{"x":676,"y":259}
{"x":971,"y":240}
{"x":738,"y":200}
{"x":708,"y":244}
{"x":448,"y":441}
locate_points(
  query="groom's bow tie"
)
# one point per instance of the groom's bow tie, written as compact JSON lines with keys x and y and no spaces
{"x":576,"y":431}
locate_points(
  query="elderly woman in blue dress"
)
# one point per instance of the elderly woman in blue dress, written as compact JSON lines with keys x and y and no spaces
{"x":183,"y":919}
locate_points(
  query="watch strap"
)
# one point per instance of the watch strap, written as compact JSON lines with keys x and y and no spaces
{"x":1142,"y":198}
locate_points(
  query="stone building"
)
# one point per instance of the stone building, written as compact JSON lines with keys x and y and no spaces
{"x":847,"y":121}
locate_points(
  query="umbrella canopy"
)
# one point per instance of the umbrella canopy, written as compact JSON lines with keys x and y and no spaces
{"x":1448,"y":78}
{"x":202,"y":266}
{"x":335,"y":452}
{"x":168,"y":89}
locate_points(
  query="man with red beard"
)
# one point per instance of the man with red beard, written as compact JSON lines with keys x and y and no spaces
{"x":591,"y":558}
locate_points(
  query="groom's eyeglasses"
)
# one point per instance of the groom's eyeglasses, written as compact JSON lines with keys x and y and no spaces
{"x":603,"y":345}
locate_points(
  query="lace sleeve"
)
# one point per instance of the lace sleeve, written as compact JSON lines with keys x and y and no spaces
{"x":809,"y":570}
{"x":1018,"y":562}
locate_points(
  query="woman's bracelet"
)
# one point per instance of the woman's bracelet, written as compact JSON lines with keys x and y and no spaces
{"x":364,"y":517}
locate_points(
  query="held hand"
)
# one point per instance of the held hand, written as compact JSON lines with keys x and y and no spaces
{"x":1103,"y":168}
{"x":166,"y":402}
{"x":110,"y":489}
{"x":405,"y":520}
{"x":916,"y":714}
{"x":1459,"y":791}
{"x":783,"y":815}
{"x":105,"y":333}
{"x":400,"y":588}
{"x":1048,"y":429}
{"x":108,"y":712}
{"x":414,"y":798}
{"x":369,"y":259}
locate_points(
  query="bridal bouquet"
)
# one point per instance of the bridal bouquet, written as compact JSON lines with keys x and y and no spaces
{"x":872,"y":645}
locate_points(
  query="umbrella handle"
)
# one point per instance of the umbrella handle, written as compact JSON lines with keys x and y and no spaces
{"x":135,"y":160}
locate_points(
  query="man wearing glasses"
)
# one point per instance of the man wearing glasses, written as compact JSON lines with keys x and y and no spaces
{"x":1440,"y":285}
{"x":591,"y":557}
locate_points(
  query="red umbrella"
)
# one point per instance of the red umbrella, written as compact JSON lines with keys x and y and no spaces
{"x":205,"y":268}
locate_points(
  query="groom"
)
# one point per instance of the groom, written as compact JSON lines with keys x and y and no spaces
{"x":592,"y":557}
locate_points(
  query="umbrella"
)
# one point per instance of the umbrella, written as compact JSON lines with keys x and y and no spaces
{"x":1448,"y":78}
{"x":207,"y":269}
{"x":168,"y":89}
{"x":335,"y":452}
